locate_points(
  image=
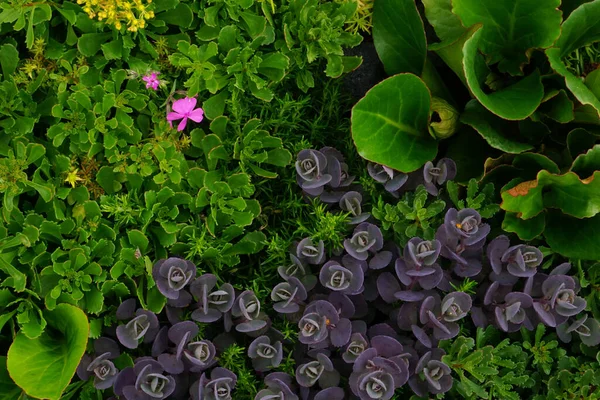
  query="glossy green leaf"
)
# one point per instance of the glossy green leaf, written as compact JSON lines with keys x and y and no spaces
{"x":572,"y":237}
{"x":499,"y":133}
{"x":525,"y":229}
{"x":390,"y":124}
{"x":451,"y":51}
{"x":514,"y":102}
{"x":43,"y":367}
{"x":399,"y":36}
{"x":557,"y":106}
{"x":586,"y":164}
{"x":511,"y":28}
{"x":447,"y":25}
{"x":8,"y":389}
{"x":573,"y":196}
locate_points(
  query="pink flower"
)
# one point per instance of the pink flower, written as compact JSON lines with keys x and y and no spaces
{"x":151,"y":80}
{"x":184,"y":109}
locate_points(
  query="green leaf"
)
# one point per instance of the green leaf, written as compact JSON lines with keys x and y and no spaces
{"x":572,"y":237}
{"x":586,"y":164}
{"x":9,"y":59}
{"x":8,"y":389}
{"x":399,"y":36}
{"x":498,"y":132}
{"x":447,"y":25}
{"x":567,"y":192}
{"x":511,"y":28}
{"x":106,"y":178}
{"x":138,"y":239}
{"x":181,"y":15}
{"x":90,"y":43}
{"x":526,"y":229}
{"x":43,"y":367}
{"x":514,"y":102}
{"x":390,"y":124}
{"x":558,"y":106}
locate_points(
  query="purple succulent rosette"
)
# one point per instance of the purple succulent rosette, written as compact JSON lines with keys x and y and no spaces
{"x":392,"y":180}
{"x":142,"y":326}
{"x":311,"y":167}
{"x":172,"y":275}
{"x":440,"y":318}
{"x":280,"y":386}
{"x":247,"y":308}
{"x":319,"y":370}
{"x":264,"y":354}
{"x":381,"y":369}
{"x":419,"y":265}
{"x":367,"y":242}
{"x":466,"y":259}
{"x":358,"y":344}
{"x":588,"y":330}
{"x":509,"y":309}
{"x":351,"y":203}
{"x":219,"y":386}
{"x":466,"y":225}
{"x":146,"y":380}
{"x":321,"y":324}
{"x":288,"y":296}
{"x":431,"y":375}
{"x":512,"y":262}
{"x":309,"y":252}
{"x":300,"y":270}
{"x":339,"y":278}
{"x":212,"y":302}
{"x":100,"y":366}
{"x":436,"y":175}
{"x":559,"y":300}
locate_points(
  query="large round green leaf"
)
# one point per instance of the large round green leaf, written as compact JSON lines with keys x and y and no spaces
{"x":43,"y":367}
{"x":390,"y":124}
{"x":568,"y":193}
{"x":499,"y":133}
{"x":514,"y":102}
{"x":511,"y":28}
{"x":399,"y":36}
{"x":572,"y":237}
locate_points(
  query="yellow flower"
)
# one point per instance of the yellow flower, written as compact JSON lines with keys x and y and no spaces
{"x":73,"y":177}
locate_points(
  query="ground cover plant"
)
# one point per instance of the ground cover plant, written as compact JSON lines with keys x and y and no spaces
{"x":299,"y":199}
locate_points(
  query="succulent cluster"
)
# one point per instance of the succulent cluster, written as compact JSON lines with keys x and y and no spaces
{"x":368,"y":313}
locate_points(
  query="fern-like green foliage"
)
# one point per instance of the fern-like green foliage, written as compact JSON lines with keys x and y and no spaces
{"x":484,"y":370}
{"x":480,"y":199}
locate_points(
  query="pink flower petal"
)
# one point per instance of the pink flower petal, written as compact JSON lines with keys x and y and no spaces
{"x":182,"y":124}
{"x":197,"y":115}
{"x":184,"y":106}
{"x":173,"y":116}
{"x":147,"y":79}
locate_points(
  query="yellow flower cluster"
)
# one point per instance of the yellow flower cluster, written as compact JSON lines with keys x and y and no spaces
{"x":119,"y":13}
